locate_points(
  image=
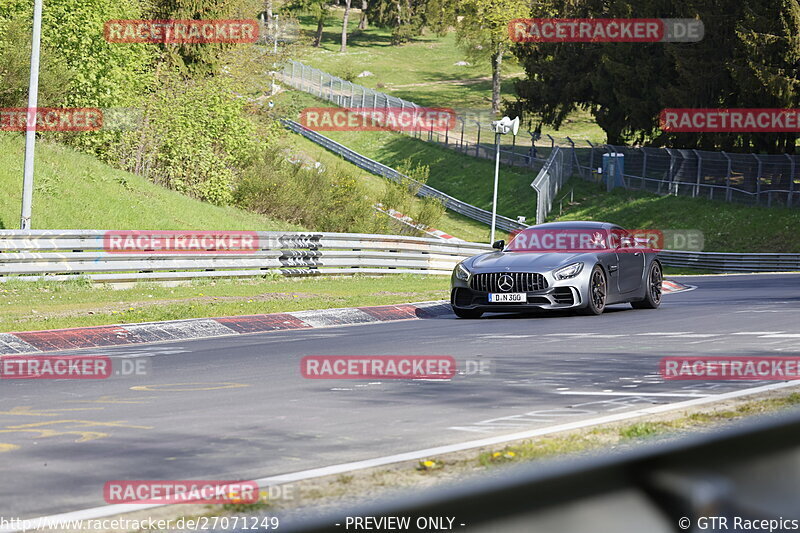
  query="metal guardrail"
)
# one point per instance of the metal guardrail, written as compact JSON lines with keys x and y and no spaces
{"x":56,"y":254}
{"x":51,"y":254}
{"x":729,"y":262}
{"x":548,"y":182}
{"x":453,"y":204}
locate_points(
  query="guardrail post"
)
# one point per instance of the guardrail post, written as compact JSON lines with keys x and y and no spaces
{"x":532,"y":154}
{"x":478,"y":144}
{"x":758,"y":182}
{"x":591,"y":158}
{"x":728,"y":177}
{"x":791,"y":180}
{"x":644,"y":168}
{"x":699,"y":166}
{"x":671,"y":169}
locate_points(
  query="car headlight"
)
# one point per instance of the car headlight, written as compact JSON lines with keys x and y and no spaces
{"x":461,"y":272}
{"x":569,"y":271}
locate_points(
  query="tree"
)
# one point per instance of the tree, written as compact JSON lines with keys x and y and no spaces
{"x":481,"y":30}
{"x":749,"y":57}
{"x":406,"y":18}
{"x":318,"y":9}
{"x":344,"y":25}
{"x":203,"y":59}
{"x":362,"y":22}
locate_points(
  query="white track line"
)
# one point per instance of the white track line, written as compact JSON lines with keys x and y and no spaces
{"x":111,"y":510}
{"x":657,"y":394}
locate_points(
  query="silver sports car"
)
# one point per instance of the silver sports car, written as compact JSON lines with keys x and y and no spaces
{"x":583,"y":266}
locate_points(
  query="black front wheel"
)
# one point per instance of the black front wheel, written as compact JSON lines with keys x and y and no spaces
{"x":652,"y":298}
{"x":598,"y":290}
{"x":467,"y":313}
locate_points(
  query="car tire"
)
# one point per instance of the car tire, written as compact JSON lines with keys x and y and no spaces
{"x":467,"y":313}
{"x":598,"y":292}
{"x":655,"y":278}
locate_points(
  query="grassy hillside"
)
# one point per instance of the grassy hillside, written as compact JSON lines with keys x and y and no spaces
{"x":463,"y":176}
{"x":727,"y":227}
{"x":452,"y":223}
{"x":424,"y":71}
{"x":76,"y":191}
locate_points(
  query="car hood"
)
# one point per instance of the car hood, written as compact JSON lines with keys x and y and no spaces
{"x":524,"y":261}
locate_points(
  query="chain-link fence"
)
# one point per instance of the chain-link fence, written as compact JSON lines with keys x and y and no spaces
{"x":752,"y":179}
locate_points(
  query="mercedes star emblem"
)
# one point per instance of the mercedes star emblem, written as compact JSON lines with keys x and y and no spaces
{"x":505,"y":283}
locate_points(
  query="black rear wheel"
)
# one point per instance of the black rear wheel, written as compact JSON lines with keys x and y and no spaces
{"x":652,"y":298}
{"x":598,"y":291}
{"x":467,"y":313}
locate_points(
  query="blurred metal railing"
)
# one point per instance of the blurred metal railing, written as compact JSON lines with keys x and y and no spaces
{"x":453,"y":204}
{"x":747,"y":472}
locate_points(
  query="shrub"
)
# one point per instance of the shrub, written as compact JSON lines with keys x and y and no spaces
{"x":194,"y":138}
{"x":328,"y":200}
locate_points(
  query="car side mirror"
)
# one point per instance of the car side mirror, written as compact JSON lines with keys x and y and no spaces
{"x":499,"y":245}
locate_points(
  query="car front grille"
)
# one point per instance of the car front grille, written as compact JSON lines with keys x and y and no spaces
{"x":521,"y":282}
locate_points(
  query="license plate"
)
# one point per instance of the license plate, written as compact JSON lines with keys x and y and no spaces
{"x":507,"y":297}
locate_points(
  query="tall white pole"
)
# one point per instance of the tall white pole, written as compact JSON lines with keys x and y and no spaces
{"x":275,"y":44}
{"x":496,"y":174}
{"x":30,"y":133}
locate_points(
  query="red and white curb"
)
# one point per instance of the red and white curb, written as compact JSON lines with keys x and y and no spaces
{"x":668,"y":286}
{"x":405,"y":219}
{"x":122,"y":334}
{"x":200,"y":328}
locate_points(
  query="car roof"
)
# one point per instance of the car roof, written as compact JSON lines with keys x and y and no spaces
{"x":575,"y":224}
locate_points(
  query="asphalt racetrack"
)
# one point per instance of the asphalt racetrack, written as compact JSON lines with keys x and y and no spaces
{"x":239,"y":408}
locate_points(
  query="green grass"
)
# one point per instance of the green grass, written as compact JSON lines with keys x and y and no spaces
{"x":452,"y":223}
{"x":726,"y":227}
{"x":465,"y":177}
{"x":53,"y":305}
{"x":76,"y":191}
{"x":423,"y":71}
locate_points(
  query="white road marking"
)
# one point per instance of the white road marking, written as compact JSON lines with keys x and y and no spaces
{"x":781,"y":336}
{"x":655,"y":394}
{"x":111,"y":510}
{"x":668,"y":333}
